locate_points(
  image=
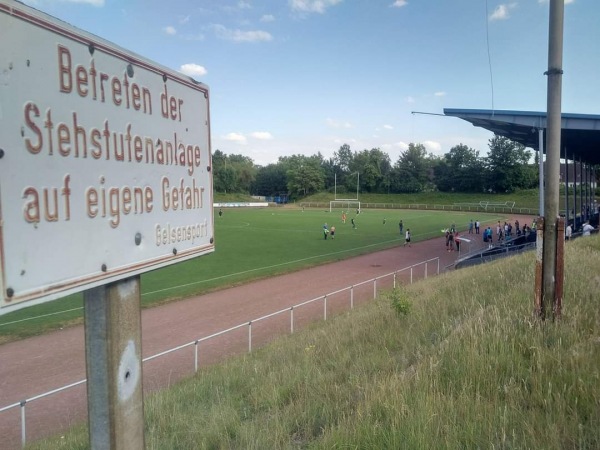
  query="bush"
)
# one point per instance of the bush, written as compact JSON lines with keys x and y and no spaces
{"x":400,"y":302}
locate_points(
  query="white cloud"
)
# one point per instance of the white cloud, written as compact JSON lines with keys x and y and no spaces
{"x":312,"y":6}
{"x":241,"y":36}
{"x":262,"y":135}
{"x":184,"y":19}
{"x":193,"y":70}
{"x":244,"y":5}
{"x":410,"y":99}
{"x":433,"y":147}
{"x":388,"y":127}
{"x":399,"y":4}
{"x":267,"y":18}
{"x":502,"y":11}
{"x":170,"y":30}
{"x":236,"y":137}
{"x":337,"y":124}
{"x":440,"y":94}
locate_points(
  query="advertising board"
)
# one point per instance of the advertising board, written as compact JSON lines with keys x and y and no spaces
{"x":105,"y":162}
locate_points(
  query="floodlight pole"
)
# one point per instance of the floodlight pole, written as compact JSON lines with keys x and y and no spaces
{"x":551,"y":198}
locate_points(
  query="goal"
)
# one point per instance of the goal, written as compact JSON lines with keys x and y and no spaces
{"x":343,"y":204}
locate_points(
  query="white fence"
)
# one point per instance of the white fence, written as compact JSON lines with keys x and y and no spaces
{"x":474,"y":207}
{"x":408,"y":272}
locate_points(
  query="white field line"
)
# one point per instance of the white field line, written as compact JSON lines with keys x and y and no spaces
{"x":40,"y":316}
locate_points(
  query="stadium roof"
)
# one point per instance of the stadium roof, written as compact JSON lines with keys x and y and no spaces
{"x":580,"y":134}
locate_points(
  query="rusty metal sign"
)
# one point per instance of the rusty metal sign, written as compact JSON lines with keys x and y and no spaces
{"x":104,"y":161}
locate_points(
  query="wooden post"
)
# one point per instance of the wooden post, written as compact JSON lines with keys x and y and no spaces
{"x":539,"y":250}
{"x":113,"y":347}
{"x":560,"y":267}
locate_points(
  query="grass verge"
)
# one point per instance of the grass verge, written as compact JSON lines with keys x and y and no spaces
{"x":455,"y":361}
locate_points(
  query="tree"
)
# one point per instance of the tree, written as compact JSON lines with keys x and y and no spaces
{"x":232,"y":173}
{"x":373,"y":166}
{"x":460,"y":170}
{"x":305,"y":174}
{"x":508,"y":166}
{"x":270,"y":180}
{"x":411,"y":171}
{"x":343,"y":158}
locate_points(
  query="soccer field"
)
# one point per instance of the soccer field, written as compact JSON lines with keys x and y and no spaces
{"x":255,"y":243}
{"x":251,"y":243}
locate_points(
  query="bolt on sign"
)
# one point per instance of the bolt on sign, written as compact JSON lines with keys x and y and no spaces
{"x":105,"y":162}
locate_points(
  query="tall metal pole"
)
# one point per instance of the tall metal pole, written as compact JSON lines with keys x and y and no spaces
{"x":566,"y":187}
{"x":551,"y":201}
{"x":541,"y":170}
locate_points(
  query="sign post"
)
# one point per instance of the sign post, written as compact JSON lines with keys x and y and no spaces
{"x":113,"y":348}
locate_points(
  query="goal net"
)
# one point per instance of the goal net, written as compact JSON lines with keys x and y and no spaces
{"x":346,"y":205}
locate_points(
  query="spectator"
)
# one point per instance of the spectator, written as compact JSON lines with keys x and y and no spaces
{"x":587,"y":229}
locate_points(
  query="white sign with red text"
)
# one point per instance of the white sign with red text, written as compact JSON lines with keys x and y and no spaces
{"x":104,"y":161}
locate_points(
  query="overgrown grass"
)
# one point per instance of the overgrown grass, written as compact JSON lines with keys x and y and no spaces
{"x":465,"y":366}
{"x":254,"y":243}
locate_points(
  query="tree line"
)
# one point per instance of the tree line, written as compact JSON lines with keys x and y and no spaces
{"x":506,"y":168}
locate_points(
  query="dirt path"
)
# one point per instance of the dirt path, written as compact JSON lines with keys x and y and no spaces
{"x":36,"y":365}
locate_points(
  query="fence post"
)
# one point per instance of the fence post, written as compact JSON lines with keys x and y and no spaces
{"x":395,"y":280}
{"x":352,"y":297}
{"x":23,"y":431}
{"x":438,"y":265}
{"x":196,"y":356}
{"x":324,"y":307}
{"x":411,"y":271}
{"x":250,"y":337}
{"x":425,"y":269}
{"x":291,"y":320}
{"x":374,"y":288}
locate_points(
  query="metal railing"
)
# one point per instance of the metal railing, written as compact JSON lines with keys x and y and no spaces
{"x":473,"y":207}
{"x":196,"y":343}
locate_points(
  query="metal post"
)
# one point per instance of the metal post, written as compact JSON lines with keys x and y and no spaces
{"x":374,"y":288}
{"x":291,"y":320}
{"x":425,"y":270}
{"x":541,"y":169}
{"x":554,"y":73}
{"x":250,"y":337}
{"x":560,"y":268}
{"x":352,"y":297}
{"x":438,"y":266}
{"x":411,"y":273}
{"x":113,"y":343}
{"x":23,"y":427}
{"x":196,"y":356}
{"x":574,"y":193}
{"x":539,"y":248}
{"x":325,"y":307}
{"x":566,"y":186}
{"x":394,"y":280}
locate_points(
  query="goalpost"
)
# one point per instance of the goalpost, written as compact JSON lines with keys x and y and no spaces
{"x":345,"y":204}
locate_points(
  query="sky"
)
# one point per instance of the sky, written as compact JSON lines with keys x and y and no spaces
{"x":305,"y":76}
